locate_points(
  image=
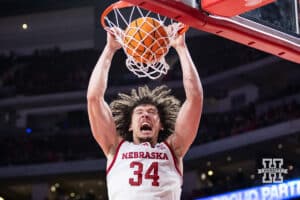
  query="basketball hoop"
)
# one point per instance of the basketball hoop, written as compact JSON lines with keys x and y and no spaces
{"x":144,"y":36}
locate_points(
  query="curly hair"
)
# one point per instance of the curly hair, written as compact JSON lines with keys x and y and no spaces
{"x":166,"y":104}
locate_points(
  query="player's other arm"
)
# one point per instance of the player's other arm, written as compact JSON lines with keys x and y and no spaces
{"x":100,"y":116}
{"x":187,"y":122}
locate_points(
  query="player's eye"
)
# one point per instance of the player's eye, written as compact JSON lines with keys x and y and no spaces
{"x":138,"y":112}
{"x":152,"y":111}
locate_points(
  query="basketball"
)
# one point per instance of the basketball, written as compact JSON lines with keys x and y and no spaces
{"x":146,"y":40}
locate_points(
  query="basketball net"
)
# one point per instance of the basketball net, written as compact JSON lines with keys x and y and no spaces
{"x":119,"y":16}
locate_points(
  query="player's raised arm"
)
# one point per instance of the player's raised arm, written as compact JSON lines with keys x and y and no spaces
{"x":187,"y":123}
{"x":100,"y":117}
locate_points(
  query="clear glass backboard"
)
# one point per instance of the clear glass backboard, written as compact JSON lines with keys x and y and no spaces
{"x":282,"y":15}
{"x":273,"y":28}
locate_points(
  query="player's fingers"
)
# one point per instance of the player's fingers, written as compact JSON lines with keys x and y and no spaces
{"x":170,"y":29}
{"x":109,"y":31}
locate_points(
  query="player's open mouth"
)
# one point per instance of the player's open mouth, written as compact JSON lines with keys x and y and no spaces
{"x":146,"y":127}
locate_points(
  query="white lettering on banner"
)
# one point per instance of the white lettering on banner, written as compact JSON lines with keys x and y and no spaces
{"x":280,"y":191}
{"x":265,"y":192}
{"x":285,"y":190}
{"x":252,"y":194}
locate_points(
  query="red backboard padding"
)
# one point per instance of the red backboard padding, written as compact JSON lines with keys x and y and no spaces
{"x":230,"y":8}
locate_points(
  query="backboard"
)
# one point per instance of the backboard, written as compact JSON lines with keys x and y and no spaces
{"x":273,"y":27}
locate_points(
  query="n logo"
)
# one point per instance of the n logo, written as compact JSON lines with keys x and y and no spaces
{"x":272,"y":170}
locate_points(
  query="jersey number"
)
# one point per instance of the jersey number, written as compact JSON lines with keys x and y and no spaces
{"x":151,"y":173}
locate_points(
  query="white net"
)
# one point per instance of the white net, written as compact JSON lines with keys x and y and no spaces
{"x":145,"y":38}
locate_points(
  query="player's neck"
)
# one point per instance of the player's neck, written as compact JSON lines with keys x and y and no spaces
{"x":143,"y":140}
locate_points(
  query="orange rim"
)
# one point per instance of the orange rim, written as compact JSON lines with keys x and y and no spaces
{"x":123,"y":4}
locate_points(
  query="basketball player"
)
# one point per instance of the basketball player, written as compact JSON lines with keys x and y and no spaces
{"x":146,"y":134}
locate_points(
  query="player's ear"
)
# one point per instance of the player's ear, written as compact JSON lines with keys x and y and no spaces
{"x":130,"y":128}
{"x":161,"y":126}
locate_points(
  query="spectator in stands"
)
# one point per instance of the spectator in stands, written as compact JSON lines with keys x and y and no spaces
{"x":145,"y":135}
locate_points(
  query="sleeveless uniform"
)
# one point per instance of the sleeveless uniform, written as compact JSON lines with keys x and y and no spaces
{"x":142,"y":172}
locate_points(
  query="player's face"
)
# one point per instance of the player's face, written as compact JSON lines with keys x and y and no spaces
{"x":145,"y":124}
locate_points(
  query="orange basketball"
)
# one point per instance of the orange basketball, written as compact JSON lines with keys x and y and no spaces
{"x":146,"y":40}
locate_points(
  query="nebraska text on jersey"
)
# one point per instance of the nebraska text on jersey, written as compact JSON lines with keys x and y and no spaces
{"x":145,"y":155}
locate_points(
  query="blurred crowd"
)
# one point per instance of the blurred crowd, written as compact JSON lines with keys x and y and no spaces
{"x":220,"y":125}
{"x":53,"y":71}
{"x":74,"y":141}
